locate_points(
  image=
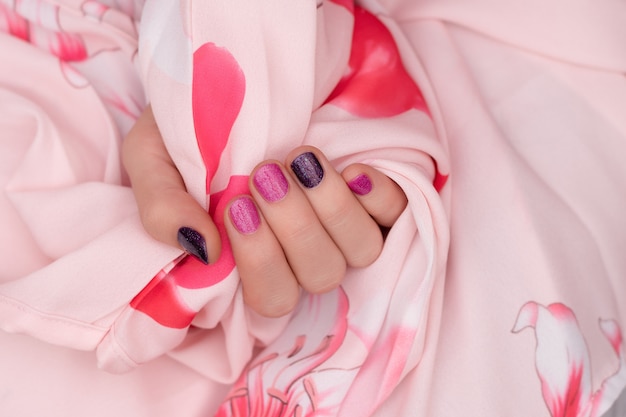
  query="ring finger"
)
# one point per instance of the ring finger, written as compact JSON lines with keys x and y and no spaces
{"x":351,"y":227}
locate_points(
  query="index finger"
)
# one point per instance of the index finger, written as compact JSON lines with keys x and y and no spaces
{"x":167,"y":211}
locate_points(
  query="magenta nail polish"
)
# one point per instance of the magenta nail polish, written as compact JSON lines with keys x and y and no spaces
{"x":361,"y":184}
{"x":271,"y":183}
{"x":244,"y":215}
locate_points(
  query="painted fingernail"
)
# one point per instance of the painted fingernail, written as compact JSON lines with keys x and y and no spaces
{"x":308,"y":169}
{"x":193,"y":243}
{"x":361,"y":184}
{"x":244,"y":215}
{"x":271,"y":182}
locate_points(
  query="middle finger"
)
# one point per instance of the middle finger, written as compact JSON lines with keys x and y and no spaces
{"x":313,"y":256}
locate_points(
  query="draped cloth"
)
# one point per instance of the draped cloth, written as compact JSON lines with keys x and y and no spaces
{"x":499,"y":290}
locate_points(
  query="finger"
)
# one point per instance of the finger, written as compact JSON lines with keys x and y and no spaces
{"x":383,"y":199}
{"x":167,"y":211}
{"x":352,"y":229}
{"x":314,"y":258}
{"x":269,"y":285}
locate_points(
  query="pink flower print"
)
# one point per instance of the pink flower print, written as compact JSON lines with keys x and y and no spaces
{"x":611,"y":387}
{"x":218,"y":90}
{"x":563,"y":364}
{"x":288,"y":379}
{"x":38,"y":23}
{"x":67,"y":46}
{"x":13,"y":24}
{"x":130,"y":8}
{"x":95,"y":9}
{"x":120,"y":90}
{"x":376,"y":84}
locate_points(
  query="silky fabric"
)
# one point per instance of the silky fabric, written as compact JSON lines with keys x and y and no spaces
{"x":499,"y":290}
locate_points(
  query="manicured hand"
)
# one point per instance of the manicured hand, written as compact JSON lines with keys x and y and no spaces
{"x":303,"y":224}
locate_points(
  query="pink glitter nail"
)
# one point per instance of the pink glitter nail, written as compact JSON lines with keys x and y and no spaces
{"x":271,"y":183}
{"x":361,"y":185}
{"x":244,"y":215}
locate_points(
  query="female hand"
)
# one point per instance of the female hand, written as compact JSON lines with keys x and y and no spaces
{"x":303,"y":224}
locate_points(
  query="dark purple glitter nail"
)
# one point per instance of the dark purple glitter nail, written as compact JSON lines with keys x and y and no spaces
{"x":308,"y":169}
{"x":193,"y":243}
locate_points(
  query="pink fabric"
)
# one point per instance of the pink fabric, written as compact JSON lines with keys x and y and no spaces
{"x":499,"y":289}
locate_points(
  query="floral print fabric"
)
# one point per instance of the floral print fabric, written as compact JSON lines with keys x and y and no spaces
{"x":503,"y":275}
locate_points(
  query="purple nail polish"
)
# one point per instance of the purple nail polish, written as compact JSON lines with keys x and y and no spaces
{"x":193,"y":243}
{"x":271,"y":183}
{"x":361,"y":184}
{"x":308,"y":169}
{"x":244,"y":215}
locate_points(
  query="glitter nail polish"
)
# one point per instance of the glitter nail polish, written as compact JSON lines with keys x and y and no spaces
{"x":308,"y":169}
{"x":361,"y":184}
{"x":271,"y":183}
{"x":193,"y":243}
{"x":244,"y":215}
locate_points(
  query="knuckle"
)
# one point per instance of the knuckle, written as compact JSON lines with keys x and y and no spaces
{"x":326,"y":278}
{"x":269,"y":287}
{"x":338,"y":215}
{"x":271,"y":299}
{"x":273,"y":305}
{"x":367,"y":253}
{"x":152,"y":213}
{"x":302,"y":238}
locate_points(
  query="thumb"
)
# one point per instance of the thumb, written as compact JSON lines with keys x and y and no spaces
{"x":167,"y":211}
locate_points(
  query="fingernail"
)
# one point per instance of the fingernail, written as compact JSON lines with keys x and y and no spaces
{"x":361,"y":184}
{"x":271,"y":183}
{"x":193,"y":243}
{"x":244,"y":215}
{"x":308,"y":169}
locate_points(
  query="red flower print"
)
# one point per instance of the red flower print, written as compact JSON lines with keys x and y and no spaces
{"x":288,"y":379}
{"x":376,"y":84}
{"x":563,"y":364}
{"x":13,"y":24}
{"x":218,"y":91}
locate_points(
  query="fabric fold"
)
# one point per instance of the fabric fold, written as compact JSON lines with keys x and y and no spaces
{"x":505,"y":140}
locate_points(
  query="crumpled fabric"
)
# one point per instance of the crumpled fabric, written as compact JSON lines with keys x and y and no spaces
{"x":498,"y":291}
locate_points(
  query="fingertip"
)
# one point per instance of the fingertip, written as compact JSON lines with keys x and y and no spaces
{"x":243,"y":215}
{"x":193,"y":243}
{"x":176,"y":219}
{"x":269,"y":287}
{"x":205,"y":247}
{"x":208,"y":232}
{"x":361,"y":184}
{"x":301,"y":150}
{"x":381,"y":197}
